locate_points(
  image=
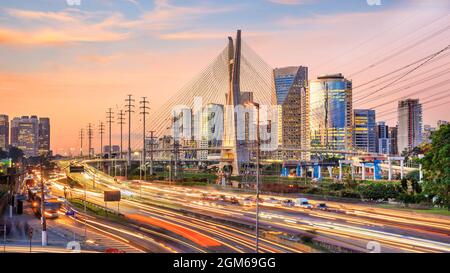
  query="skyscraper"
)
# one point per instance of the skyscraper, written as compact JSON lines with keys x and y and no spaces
{"x":31,"y":135}
{"x":427,"y":132}
{"x":441,"y":122}
{"x":393,"y":137}
{"x":293,"y":104}
{"x":383,"y":140}
{"x":25,"y":134}
{"x":364,"y":134}
{"x":409,"y":124}
{"x":211,"y":130}
{"x":44,"y":135}
{"x":331,"y":112}
{"x":4,"y":132}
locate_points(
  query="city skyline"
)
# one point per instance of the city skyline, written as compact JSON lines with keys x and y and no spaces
{"x":138,"y":65}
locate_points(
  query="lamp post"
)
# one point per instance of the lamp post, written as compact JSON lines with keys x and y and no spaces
{"x":258,"y":143}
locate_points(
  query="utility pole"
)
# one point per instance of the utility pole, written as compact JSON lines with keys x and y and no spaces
{"x":109,"y":121}
{"x":81,"y":142}
{"x":151,"y":151}
{"x":43,"y":220}
{"x":101,"y":130}
{"x":144,"y":113}
{"x":129,"y":110}
{"x":90,"y":140}
{"x":121,"y":122}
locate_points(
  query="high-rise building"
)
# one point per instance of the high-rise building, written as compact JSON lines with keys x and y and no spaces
{"x":4,"y":132}
{"x":331,"y":112}
{"x":409,"y":124}
{"x":211,"y":130}
{"x":364,"y":131}
{"x":427,"y":132}
{"x":383,"y":140}
{"x":441,"y":122}
{"x":31,"y":135}
{"x":44,"y":135}
{"x":293,"y":104}
{"x":393,"y":137}
{"x":25,"y":134}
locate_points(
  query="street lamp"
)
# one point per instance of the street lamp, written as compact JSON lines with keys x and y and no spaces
{"x":255,"y":104}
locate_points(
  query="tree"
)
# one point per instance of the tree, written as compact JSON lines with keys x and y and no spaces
{"x":15,"y":154}
{"x":436,"y":165}
{"x":3,"y":154}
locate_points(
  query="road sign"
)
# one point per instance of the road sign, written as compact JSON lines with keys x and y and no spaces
{"x":112,"y":196}
{"x":76,"y":169}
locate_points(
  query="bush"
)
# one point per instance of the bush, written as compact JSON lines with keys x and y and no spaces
{"x":313,"y":190}
{"x":336,"y":186}
{"x":350,"y":194}
{"x":379,"y":191}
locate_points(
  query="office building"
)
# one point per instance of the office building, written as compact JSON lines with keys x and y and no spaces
{"x":31,"y":135}
{"x":364,"y":131}
{"x":393,"y":137}
{"x":331,"y":112}
{"x":44,"y":135}
{"x":293,"y":109}
{"x":409,"y":124}
{"x":383,"y":140}
{"x":4,"y":132}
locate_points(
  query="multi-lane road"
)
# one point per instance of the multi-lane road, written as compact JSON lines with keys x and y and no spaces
{"x":167,"y":218}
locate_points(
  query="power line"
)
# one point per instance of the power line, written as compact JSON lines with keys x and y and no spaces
{"x":90,"y":139}
{"x":144,"y":113}
{"x":121,"y":122}
{"x":109,"y":120}
{"x":407,"y":73}
{"x":101,"y":131}
{"x":81,"y":142}
{"x":129,"y":110}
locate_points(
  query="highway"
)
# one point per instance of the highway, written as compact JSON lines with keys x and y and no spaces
{"x":201,"y":225}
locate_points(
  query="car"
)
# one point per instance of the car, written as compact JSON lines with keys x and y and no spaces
{"x":272,"y":200}
{"x":288,"y":203}
{"x":322,"y":206}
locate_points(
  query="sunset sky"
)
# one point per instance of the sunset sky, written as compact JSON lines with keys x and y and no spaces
{"x":71,"y":63}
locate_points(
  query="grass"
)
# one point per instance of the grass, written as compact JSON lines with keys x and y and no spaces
{"x":434,"y":210}
{"x":91,"y":209}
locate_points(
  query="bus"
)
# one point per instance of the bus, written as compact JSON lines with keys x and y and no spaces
{"x":29,"y":181}
{"x":52,"y":206}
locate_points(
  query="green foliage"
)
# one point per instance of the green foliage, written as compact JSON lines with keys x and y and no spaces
{"x":350,"y":194}
{"x":379,"y":191}
{"x":336,"y":186}
{"x":436,"y":165}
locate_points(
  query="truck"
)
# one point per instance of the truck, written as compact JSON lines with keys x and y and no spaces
{"x":303,"y":203}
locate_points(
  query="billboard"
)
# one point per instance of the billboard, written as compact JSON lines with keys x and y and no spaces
{"x":112,"y":196}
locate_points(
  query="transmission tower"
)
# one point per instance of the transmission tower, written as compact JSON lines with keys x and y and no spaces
{"x":109,"y":120}
{"x":121,"y":122}
{"x":144,"y":113}
{"x":101,"y":131}
{"x":129,"y":110}
{"x":90,"y":139}
{"x":81,"y":142}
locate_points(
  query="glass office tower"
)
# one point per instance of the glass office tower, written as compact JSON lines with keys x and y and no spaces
{"x":364,"y":132}
{"x":331,"y":113}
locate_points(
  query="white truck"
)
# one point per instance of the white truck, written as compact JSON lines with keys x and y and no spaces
{"x":303,"y":203}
